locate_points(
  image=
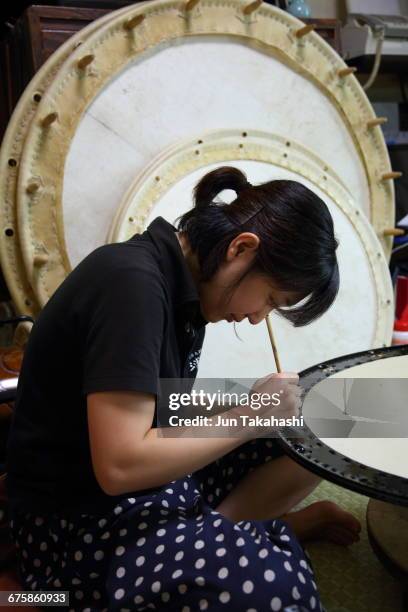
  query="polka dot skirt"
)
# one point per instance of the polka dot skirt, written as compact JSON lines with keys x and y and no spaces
{"x":171,"y":550}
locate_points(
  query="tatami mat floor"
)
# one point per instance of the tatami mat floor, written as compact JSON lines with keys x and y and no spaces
{"x":351,"y":579}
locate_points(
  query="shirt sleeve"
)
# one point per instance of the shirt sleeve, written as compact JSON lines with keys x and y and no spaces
{"x":124,"y":337}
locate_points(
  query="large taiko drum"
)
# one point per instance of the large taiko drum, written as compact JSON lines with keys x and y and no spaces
{"x":119,"y":126}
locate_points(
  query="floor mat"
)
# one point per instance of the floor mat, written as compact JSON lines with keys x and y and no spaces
{"x":351,"y":579}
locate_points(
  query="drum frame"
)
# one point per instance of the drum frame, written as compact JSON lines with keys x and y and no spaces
{"x":11,"y":152}
{"x":313,"y":454}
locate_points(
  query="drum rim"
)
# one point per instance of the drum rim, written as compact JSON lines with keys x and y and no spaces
{"x":347,"y":97}
{"x":12,"y":147}
{"x":256,"y":145}
{"x":354,"y":475}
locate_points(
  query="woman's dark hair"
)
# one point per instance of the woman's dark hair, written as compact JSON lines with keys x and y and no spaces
{"x":297,"y":248}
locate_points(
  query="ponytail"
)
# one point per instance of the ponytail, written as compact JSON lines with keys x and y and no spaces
{"x":204,"y":193}
{"x":216,"y":181}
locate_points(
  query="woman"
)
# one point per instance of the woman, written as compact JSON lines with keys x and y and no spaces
{"x":101,"y":504}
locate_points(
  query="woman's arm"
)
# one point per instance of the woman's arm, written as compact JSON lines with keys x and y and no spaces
{"x":128,"y":455}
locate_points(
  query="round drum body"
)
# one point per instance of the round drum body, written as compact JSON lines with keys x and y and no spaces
{"x":156,"y":96}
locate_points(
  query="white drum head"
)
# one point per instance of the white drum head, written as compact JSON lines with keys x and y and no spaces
{"x":375,"y":401}
{"x":221,"y":95}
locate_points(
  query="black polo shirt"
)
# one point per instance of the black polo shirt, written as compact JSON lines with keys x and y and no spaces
{"x":126,"y":316}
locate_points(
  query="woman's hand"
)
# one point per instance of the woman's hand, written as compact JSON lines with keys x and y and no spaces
{"x":274,"y":395}
{"x":285,"y":385}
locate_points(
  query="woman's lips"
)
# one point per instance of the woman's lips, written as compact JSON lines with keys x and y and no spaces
{"x":240,"y":318}
{"x":231,"y":317}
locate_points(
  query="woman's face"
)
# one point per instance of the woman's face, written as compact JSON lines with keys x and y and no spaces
{"x":253,"y":298}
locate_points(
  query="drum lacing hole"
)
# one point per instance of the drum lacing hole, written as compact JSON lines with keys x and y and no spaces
{"x":332,"y":452}
{"x":9,"y":232}
{"x":12,"y":162}
{"x":346,"y":459}
{"x":27,"y":302}
{"x":285,"y":155}
{"x":325,"y":169}
{"x":241,"y":146}
{"x":324,"y":177}
{"x":197,"y":152}
{"x":388,"y":302}
{"x":157,"y":178}
{"x":199,"y":142}
{"x":244,"y":134}
{"x":131,"y":220}
{"x":37,"y":97}
{"x":319,"y":444}
{"x":378,"y":255}
{"x":288,"y":144}
{"x":357,"y":212}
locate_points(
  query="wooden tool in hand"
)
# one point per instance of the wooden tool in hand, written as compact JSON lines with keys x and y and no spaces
{"x":273,"y":343}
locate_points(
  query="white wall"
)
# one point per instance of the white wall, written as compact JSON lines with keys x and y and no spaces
{"x":337,"y":9}
{"x":379,"y":7}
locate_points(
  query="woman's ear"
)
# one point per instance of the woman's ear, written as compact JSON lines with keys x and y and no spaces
{"x":248,"y":242}
{"x":245,"y":243}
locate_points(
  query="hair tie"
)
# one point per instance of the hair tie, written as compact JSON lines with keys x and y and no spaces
{"x":239,"y":224}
